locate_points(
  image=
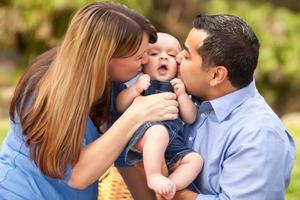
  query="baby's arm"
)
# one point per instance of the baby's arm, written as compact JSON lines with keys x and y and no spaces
{"x":126,"y":96}
{"x":187,"y":108}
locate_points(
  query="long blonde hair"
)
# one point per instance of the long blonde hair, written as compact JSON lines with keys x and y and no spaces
{"x":75,"y":79}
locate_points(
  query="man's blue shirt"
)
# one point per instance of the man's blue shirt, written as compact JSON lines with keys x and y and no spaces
{"x":248,"y":154}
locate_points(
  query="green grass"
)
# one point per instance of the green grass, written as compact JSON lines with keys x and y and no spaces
{"x":3,"y":129}
{"x":293,"y":192}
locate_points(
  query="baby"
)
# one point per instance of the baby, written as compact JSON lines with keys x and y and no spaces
{"x":162,"y":142}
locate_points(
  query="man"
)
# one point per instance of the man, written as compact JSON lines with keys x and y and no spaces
{"x":248,"y":154}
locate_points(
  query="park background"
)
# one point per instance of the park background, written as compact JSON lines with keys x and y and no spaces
{"x":29,"y":27}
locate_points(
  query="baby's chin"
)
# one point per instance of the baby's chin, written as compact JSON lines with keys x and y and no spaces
{"x":165,"y":77}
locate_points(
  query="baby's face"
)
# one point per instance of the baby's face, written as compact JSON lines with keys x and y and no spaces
{"x":162,"y":63}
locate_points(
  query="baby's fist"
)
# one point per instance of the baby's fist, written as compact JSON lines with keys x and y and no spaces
{"x":178,"y":86}
{"x":142,"y":83}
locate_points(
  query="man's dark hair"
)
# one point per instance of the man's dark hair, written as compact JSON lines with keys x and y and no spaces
{"x":230,"y":43}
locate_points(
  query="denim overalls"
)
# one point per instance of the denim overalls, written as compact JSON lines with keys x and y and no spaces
{"x":176,"y":148}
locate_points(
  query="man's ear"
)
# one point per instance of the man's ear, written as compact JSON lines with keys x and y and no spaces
{"x":219,"y":75}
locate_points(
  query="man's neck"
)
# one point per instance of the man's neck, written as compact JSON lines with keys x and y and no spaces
{"x":221,"y":90}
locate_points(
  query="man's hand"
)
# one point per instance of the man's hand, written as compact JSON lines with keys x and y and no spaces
{"x":185,"y":194}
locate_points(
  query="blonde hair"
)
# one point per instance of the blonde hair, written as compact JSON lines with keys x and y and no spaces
{"x":75,"y":82}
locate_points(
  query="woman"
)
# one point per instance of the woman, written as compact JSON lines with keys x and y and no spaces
{"x":53,"y":149}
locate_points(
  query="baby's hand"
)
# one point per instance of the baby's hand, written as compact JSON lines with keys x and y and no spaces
{"x":142,"y":83}
{"x":178,"y":86}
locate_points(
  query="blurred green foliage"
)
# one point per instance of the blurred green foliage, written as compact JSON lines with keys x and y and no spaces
{"x":293,"y":192}
{"x":3,"y":129}
{"x":29,"y":27}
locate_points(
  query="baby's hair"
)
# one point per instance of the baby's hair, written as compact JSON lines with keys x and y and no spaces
{"x":169,"y":35}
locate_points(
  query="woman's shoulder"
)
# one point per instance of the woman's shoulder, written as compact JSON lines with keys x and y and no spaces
{"x":14,"y":142}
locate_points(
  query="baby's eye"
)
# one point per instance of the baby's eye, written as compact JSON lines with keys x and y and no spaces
{"x":172,"y":53}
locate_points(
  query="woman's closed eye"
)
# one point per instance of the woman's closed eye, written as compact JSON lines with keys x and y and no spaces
{"x":153,"y":54}
{"x":139,"y":57}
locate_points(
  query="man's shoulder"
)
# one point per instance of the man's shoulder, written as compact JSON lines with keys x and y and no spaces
{"x":255,"y":106}
{"x":255,"y":115}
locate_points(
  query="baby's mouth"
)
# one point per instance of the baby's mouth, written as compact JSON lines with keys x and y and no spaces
{"x":163,"y":68}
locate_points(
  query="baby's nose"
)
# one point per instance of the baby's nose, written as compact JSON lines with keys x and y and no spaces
{"x":163,"y":56}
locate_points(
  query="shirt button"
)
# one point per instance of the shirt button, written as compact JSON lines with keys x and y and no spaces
{"x":190,"y":139}
{"x":203,"y":115}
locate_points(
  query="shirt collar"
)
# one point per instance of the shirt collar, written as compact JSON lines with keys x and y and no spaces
{"x":224,"y":105}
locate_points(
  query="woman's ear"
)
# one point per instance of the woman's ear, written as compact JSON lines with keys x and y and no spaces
{"x":219,"y":75}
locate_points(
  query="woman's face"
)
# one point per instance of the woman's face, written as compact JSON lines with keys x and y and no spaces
{"x":123,"y":69}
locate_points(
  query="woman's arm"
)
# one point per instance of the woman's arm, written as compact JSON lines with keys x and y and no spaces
{"x":99,"y":155}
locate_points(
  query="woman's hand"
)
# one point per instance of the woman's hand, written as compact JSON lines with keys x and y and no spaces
{"x":156,"y":107}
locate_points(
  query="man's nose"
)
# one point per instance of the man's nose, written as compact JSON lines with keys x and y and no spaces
{"x":179,"y":57}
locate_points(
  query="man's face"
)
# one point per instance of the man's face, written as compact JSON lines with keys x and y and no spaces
{"x":195,"y":78}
